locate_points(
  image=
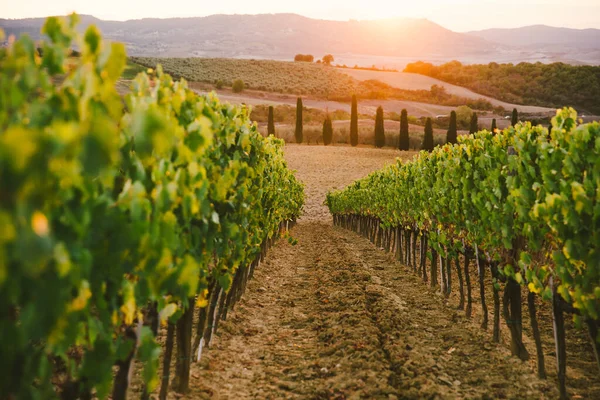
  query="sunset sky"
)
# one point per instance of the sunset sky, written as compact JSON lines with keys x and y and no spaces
{"x":458,"y":15}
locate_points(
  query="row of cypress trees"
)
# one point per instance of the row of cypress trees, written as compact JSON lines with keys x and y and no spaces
{"x":404,"y":140}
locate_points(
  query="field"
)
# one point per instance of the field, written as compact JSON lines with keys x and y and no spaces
{"x":549,"y":85}
{"x":336,"y":317}
{"x":414,"y":81}
{"x":301,"y":78}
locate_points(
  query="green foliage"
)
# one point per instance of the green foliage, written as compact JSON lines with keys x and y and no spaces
{"x":354,"y":122}
{"x":463,"y":116}
{"x":514,"y":119}
{"x":452,"y":135}
{"x":404,"y":141}
{"x":219,"y":84}
{"x":327,"y":131}
{"x":550,"y":85}
{"x":238,"y":86}
{"x":523,"y":185}
{"x":379,"y":128}
{"x":428,"y":137}
{"x":304,"y":58}
{"x":271,"y":122}
{"x":109,"y":204}
{"x":473,"y":125}
{"x":298,"y":133}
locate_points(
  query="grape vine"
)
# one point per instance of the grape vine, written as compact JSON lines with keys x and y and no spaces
{"x":117,"y":214}
{"x":525,"y":202}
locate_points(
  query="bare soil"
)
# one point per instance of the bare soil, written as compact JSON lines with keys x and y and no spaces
{"x":334,"y":317}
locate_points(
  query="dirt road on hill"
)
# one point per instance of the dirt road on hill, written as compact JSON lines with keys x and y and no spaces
{"x":336,"y":318}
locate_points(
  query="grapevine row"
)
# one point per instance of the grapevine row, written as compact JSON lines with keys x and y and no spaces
{"x":524,"y":202}
{"x":119,"y":215}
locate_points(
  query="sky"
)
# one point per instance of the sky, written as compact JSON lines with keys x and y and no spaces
{"x":457,"y":15}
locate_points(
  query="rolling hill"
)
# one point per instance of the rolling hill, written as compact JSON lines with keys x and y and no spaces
{"x":281,"y":36}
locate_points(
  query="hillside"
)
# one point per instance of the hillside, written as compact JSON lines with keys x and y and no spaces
{"x":540,"y":35}
{"x":412,"y":81}
{"x":273,"y":36}
{"x":548,"y":85}
{"x":391,"y":42}
{"x":299,"y":78}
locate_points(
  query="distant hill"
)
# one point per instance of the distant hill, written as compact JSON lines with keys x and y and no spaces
{"x":392,"y":42}
{"x":542,"y":35}
{"x":275,"y":36}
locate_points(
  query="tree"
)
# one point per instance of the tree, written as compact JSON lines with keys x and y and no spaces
{"x":515,"y":117}
{"x":327,"y":130}
{"x":494,"y":127}
{"x":452,"y":135}
{"x":379,"y":128}
{"x":428,"y":138}
{"x":473,"y":126}
{"x":298,"y":132}
{"x":328,"y":59}
{"x":304,"y":58}
{"x":354,"y":122}
{"x":271,"y":123}
{"x":238,"y":86}
{"x":463,"y":116}
{"x":404,"y":140}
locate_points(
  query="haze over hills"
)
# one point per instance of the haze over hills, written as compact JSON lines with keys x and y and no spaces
{"x":392,"y":42}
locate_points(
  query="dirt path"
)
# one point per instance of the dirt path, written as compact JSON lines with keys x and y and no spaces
{"x":333,"y":317}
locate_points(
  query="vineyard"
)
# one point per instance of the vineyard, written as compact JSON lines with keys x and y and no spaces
{"x":135,"y":226}
{"x":120,"y":217}
{"x":523,"y":204}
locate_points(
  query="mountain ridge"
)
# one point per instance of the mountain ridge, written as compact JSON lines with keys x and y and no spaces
{"x":280,"y":36}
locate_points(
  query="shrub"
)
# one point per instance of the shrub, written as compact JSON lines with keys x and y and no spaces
{"x":473,"y":126}
{"x":298,"y":132}
{"x":404,"y":140}
{"x":271,"y":123}
{"x":238,"y":86}
{"x":451,"y":136}
{"x":327,"y":130}
{"x":354,"y":122}
{"x":379,"y":128}
{"x":304,"y":58}
{"x":219,"y":84}
{"x":428,"y":138}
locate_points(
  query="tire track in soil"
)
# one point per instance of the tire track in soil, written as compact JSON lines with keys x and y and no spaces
{"x":336,"y":318}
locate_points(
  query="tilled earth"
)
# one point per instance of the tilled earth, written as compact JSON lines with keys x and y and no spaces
{"x":334,"y":317}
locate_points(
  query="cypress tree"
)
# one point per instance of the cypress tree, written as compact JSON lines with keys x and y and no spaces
{"x":515,"y":117}
{"x":271,"y":123}
{"x":494,"y":127}
{"x":473,"y":127}
{"x":452,"y":135}
{"x":379,"y":128}
{"x":404,"y":142}
{"x":327,"y":130}
{"x":428,"y":138}
{"x":354,"y":122}
{"x":298,"y":132}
